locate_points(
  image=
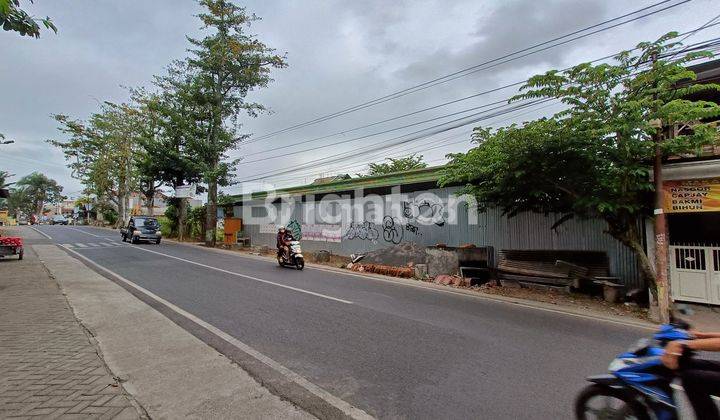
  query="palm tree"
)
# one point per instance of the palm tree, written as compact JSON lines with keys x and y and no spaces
{"x":40,"y":190}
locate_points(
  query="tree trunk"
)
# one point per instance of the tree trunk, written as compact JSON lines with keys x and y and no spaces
{"x":211,"y":214}
{"x":150,"y":203}
{"x":182,"y":217}
{"x":627,"y":233}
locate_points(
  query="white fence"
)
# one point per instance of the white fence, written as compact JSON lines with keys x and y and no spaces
{"x":695,"y":273}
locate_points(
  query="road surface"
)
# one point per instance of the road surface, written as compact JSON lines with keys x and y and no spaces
{"x":392,"y":350}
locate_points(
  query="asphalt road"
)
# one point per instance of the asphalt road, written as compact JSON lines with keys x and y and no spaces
{"x":393,"y":350}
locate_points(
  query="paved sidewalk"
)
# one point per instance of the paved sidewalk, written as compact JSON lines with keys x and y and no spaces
{"x":48,"y":366}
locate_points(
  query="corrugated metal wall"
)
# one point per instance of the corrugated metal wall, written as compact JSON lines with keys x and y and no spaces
{"x":525,"y":231}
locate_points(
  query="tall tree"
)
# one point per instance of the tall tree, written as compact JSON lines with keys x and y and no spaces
{"x":4,"y":185}
{"x":19,"y":203}
{"x":13,"y":18}
{"x":40,"y":190}
{"x":229,"y":62}
{"x":4,"y":177}
{"x":103,"y":153}
{"x":397,"y":165}
{"x":167,"y":156}
{"x":593,"y":159}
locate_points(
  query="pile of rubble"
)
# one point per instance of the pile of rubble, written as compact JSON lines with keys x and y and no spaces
{"x":447,"y":280}
{"x":388,"y":270}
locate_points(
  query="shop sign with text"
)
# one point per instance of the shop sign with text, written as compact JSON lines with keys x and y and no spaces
{"x":695,"y":195}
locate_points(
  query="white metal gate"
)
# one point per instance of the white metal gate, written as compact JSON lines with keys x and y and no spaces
{"x":695,"y":273}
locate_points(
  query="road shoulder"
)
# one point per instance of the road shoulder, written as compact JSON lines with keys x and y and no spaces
{"x":170,"y":372}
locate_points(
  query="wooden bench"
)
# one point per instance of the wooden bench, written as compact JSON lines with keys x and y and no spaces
{"x":245,"y":241}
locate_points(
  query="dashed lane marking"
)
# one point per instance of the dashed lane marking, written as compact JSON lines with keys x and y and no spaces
{"x":285,"y":286}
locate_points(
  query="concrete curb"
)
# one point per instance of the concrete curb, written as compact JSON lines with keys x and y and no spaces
{"x":589,"y":314}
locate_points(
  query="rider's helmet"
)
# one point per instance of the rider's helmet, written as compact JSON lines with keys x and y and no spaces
{"x":281,"y":228}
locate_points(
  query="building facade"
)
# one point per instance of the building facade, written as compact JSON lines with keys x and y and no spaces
{"x":369,"y":214}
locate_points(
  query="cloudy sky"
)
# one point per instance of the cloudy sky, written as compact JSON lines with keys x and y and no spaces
{"x":340,"y":53}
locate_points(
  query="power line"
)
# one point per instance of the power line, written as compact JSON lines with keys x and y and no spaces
{"x":435,"y":146}
{"x":440,"y":128}
{"x":392,"y":119}
{"x":504,"y":102}
{"x":441,"y":79}
{"x":689,"y":47}
{"x":286,"y":170}
{"x":338,"y":169}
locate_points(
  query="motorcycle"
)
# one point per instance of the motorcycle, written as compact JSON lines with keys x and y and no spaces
{"x":296,"y":257}
{"x":638,"y":385}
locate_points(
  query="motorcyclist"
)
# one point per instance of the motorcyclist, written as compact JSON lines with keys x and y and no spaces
{"x":700,"y":378}
{"x":284,"y":237}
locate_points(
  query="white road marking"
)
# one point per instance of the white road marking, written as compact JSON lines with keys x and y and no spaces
{"x":342,"y":405}
{"x":40,"y":232}
{"x":79,"y":245}
{"x":68,"y":245}
{"x":108,"y":244}
{"x":245,"y":276}
{"x":88,"y":233}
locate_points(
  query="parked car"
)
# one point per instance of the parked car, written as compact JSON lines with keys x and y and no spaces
{"x":22,"y":221}
{"x":141,"y":228}
{"x":59,"y":219}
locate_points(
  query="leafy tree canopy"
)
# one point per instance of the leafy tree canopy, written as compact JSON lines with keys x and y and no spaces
{"x":38,"y":190}
{"x":397,"y":165}
{"x":228,"y":63}
{"x":13,"y":18}
{"x":594,"y":158}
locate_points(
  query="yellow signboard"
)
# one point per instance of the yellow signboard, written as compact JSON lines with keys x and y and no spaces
{"x":694,"y":195}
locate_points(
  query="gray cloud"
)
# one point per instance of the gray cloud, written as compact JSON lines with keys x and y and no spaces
{"x":340,"y":53}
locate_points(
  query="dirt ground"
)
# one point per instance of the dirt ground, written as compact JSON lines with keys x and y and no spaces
{"x":560,"y":298}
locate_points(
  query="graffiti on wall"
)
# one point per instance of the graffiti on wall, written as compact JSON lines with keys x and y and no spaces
{"x":392,"y":230}
{"x":425,"y":210}
{"x":414,"y":229}
{"x":295,"y":229}
{"x":364,"y":231}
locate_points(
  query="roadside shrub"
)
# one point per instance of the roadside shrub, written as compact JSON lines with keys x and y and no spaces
{"x":110,"y":216}
{"x":170,"y":227}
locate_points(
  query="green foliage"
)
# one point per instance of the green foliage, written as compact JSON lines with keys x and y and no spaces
{"x":170,"y":125}
{"x":172,"y":216}
{"x":397,"y":165}
{"x":110,"y":216}
{"x":228,"y":63}
{"x":196,"y":221}
{"x":35,"y":190}
{"x":19,"y":203}
{"x":13,"y":18}
{"x":165,"y":226}
{"x":4,"y":175}
{"x":594,"y":157}
{"x":103,"y":152}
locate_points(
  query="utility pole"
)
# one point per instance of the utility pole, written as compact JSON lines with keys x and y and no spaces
{"x":661,"y":244}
